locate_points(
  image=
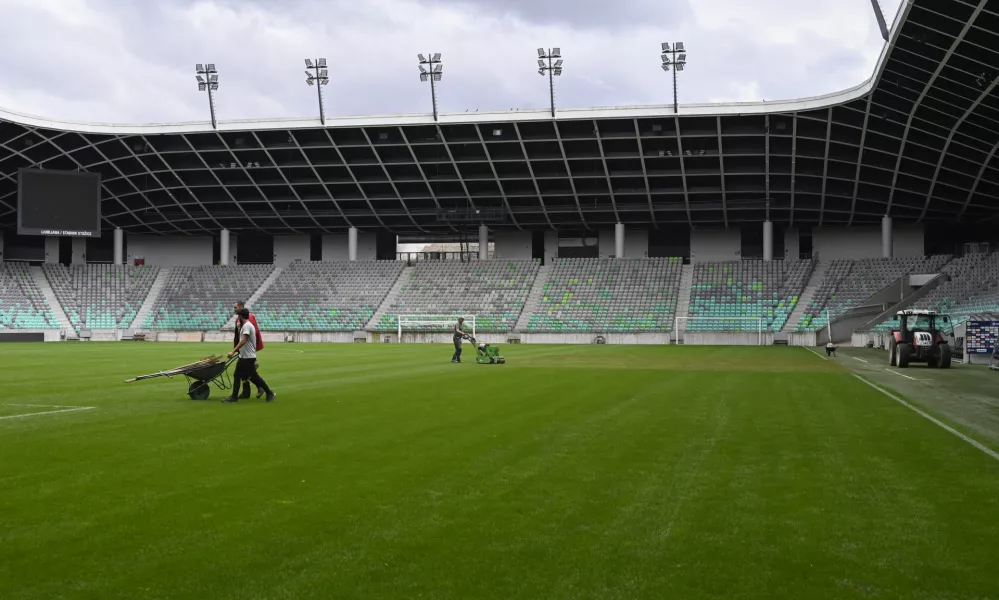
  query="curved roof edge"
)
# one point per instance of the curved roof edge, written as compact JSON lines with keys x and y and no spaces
{"x":735,"y":108}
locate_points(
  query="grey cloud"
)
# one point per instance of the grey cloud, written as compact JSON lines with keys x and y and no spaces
{"x":669,"y":15}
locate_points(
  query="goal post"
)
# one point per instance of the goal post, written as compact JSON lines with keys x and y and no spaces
{"x":719,"y":325}
{"x":430,"y":323}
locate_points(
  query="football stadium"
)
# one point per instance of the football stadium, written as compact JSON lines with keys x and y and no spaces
{"x":736,"y":350}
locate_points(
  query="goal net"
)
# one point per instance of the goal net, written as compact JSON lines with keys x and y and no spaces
{"x":432,"y":323}
{"x":719,"y":330}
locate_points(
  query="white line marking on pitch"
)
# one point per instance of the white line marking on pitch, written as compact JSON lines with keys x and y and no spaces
{"x":47,"y":412}
{"x":933,"y":419}
{"x":860,"y":359}
{"x":815,"y":353}
{"x":906,"y":376}
{"x":45,"y":405}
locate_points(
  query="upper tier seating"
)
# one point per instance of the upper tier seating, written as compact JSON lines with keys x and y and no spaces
{"x":100,"y":296}
{"x":736,"y":295}
{"x":848,"y":284}
{"x":608,"y":295}
{"x":326,"y":296}
{"x":22,"y":305}
{"x":494,"y":291}
{"x":200,"y":298}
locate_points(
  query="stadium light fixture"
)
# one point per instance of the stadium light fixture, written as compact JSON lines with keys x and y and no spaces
{"x":553,"y":69}
{"x":432,"y":73}
{"x":208,"y":80}
{"x":674,"y":59}
{"x":321,"y":78}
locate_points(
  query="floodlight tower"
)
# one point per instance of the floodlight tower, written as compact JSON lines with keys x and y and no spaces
{"x":554,"y":70}
{"x":677,"y":57}
{"x":208,"y":79}
{"x":320,"y":79}
{"x":433,"y":74}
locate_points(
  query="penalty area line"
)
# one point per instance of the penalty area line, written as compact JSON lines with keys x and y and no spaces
{"x":48,"y":412}
{"x":933,"y":419}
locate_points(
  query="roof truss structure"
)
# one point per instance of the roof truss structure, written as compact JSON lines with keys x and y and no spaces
{"x":920,"y":145}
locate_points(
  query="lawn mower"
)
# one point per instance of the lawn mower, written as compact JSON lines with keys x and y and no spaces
{"x":920,"y":336}
{"x":486,"y":354}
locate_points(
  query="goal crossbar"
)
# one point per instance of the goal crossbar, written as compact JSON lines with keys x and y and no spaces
{"x":442,"y":321}
{"x":741,"y":325}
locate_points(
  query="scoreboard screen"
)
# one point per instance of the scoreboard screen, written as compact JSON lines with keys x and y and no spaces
{"x":62,"y":203}
{"x":980,"y":337}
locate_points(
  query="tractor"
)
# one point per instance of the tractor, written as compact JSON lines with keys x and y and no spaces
{"x":920,"y":336}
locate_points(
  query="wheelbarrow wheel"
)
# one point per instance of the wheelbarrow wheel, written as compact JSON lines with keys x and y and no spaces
{"x":199,"y":390}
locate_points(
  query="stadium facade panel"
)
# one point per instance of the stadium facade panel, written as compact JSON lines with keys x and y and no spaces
{"x":916,"y":142}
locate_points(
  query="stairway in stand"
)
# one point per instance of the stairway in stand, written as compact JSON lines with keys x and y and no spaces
{"x":390,"y":298}
{"x":818,"y":274}
{"x":231,"y":323}
{"x":50,"y":298}
{"x":147,"y":305}
{"x":683,"y":302}
{"x":533,"y":298}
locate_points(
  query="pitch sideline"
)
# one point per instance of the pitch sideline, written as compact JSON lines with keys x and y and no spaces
{"x":932,"y":419}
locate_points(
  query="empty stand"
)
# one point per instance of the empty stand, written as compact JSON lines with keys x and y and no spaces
{"x":22,"y":305}
{"x":973,"y":288}
{"x":608,"y":295}
{"x":737,"y":295}
{"x":326,"y":296}
{"x":100,"y":296}
{"x":849,"y":283}
{"x":200,"y":298}
{"x":495,"y":291}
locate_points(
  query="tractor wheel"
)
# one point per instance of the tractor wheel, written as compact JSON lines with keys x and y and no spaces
{"x":892,"y":354}
{"x":904,"y":355}
{"x":945,"y":356}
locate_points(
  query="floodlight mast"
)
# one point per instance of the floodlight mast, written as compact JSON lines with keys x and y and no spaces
{"x":554,"y":70}
{"x":433,"y":72}
{"x":208,"y":79}
{"x":677,"y":57}
{"x":320,"y":79}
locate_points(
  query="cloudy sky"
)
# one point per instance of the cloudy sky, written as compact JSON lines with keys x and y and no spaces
{"x":132,"y":61}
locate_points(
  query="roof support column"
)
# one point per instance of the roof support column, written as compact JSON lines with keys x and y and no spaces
{"x":119,"y":243}
{"x":352,"y":244}
{"x":619,"y":240}
{"x":483,"y":242}
{"x":224,"y":247}
{"x":768,"y":241}
{"x":886,"y":237}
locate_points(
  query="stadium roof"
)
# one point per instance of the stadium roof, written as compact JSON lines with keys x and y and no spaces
{"x":916,"y":141}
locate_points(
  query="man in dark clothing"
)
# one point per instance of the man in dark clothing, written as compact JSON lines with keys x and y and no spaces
{"x":246,"y":366}
{"x":240,"y":305}
{"x":459,"y":333}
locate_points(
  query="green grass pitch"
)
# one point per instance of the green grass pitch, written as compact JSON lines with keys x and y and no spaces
{"x":571,"y":472}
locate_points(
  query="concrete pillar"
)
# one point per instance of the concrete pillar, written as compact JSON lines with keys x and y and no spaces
{"x":886,"y":237}
{"x":1,"y":246}
{"x":352,"y":244}
{"x":768,"y":240}
{"x":483,"y":242}
{"x":119,"y":245}
{"x":224,"y":247}
{"x":52,"y":250}
{"x":619,"y":240}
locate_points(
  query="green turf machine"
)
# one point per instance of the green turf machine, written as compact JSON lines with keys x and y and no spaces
{"x":486,"y":354}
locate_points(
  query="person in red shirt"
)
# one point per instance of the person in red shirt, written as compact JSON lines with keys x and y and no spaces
{"x":240,"y":305}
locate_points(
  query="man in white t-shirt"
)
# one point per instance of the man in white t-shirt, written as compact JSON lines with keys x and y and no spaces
{"x":246,"y":366}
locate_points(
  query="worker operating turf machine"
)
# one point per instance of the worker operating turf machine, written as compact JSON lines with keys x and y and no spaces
{"x":486,"y":354}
